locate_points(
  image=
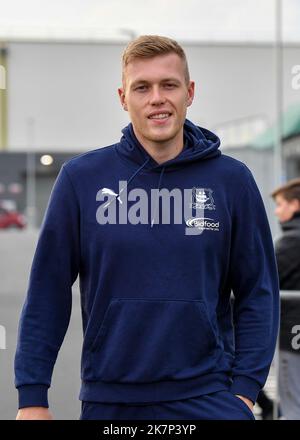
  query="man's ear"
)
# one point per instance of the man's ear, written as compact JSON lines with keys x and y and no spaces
{"x":122,"y":98}
{"x":296,"y":204}
{"x":191,"y":93}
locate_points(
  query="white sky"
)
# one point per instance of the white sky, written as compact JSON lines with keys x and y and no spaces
{"x":186,"y":20}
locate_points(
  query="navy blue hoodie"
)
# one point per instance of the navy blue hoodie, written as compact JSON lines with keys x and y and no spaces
{"x":155,"y":284}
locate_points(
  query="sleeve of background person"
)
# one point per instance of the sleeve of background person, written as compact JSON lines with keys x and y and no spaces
{"x":46,"y":312}
{"x":253,"y":277}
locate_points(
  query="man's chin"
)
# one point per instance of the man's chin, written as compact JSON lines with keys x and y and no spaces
{"x":161,"y":137}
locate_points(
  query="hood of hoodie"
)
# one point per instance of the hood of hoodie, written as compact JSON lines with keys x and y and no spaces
{"x":199,"y":144}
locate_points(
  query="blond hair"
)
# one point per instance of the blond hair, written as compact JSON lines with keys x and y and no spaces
{"x":149,"y":46}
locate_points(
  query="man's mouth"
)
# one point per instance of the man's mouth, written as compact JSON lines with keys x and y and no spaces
{"x":160,"y":116}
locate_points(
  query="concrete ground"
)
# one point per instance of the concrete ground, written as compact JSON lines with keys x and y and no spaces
{"x":16,"y":253}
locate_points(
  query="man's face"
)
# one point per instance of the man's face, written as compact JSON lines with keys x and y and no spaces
{"x":156,"y":95}
{"x":285,"y":209}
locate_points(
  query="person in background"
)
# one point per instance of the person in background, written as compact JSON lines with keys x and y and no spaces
{"x":287,"y":250}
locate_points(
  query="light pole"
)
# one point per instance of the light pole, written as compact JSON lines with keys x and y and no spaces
{"x":30,"y":176}
{"x":279,"y":168}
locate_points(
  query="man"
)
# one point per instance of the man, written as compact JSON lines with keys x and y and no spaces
{"x":160,"y":228}
{"x":287,"y":199}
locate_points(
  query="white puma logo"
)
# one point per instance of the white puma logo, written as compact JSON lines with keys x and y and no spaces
{"x":111,"y":193}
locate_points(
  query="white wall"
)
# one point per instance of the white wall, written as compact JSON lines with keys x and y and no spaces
{"x":69,"y":91}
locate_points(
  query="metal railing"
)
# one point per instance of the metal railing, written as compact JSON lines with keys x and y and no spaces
{"x":285,"y":295}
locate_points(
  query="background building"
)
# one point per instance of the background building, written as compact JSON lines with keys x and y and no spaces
{"x":61,"y":100}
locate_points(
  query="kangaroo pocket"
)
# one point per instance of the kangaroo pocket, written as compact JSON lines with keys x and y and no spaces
{"x":146,"y":340}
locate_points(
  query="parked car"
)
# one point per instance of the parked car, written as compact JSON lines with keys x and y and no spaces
{"x":11,"y":219}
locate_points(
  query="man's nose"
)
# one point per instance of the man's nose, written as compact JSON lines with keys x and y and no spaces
{"x":157,"y":97}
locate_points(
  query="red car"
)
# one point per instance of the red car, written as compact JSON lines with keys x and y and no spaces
{"x":11,"y":219}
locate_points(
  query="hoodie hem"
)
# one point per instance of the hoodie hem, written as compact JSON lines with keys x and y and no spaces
{"x":153,"y":391}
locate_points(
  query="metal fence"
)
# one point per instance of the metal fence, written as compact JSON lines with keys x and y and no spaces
{"x":272,"y":383}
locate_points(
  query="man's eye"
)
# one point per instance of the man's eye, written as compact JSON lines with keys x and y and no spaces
{"x":170,"y":85}
{"x":140,"y":88}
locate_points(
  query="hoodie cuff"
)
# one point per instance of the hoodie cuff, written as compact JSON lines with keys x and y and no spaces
{"x":246,"y":387}
{"x":33,"y":395}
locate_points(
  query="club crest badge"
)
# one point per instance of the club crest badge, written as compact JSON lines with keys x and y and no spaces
{"x":202,"y":199}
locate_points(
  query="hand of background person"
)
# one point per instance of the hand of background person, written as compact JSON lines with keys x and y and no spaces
{"x":34,"y":413}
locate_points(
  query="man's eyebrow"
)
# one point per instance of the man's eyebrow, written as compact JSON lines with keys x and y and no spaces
{"x":143,"y":81}
{"x":171,"y":80}
{"x":139,"y":81}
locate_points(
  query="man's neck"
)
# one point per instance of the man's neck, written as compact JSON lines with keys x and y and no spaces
{"x":162,"y":151}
